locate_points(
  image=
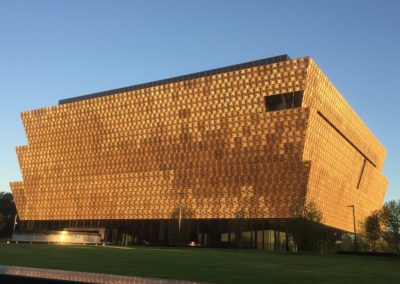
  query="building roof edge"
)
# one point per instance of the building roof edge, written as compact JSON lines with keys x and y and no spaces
{"x":260,"y":62}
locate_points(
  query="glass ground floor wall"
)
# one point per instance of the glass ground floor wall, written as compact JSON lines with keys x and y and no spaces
{"x":224,"y":233}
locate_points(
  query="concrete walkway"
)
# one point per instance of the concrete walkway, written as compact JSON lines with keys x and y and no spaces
{"x":85,"y":277}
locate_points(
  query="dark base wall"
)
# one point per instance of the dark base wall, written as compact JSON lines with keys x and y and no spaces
{"x":255,"y":233}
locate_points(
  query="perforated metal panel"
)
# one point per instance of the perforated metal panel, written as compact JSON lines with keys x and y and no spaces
{"x":211,"y":138}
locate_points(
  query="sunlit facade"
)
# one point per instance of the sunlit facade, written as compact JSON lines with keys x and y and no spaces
{"x":260,"y":138}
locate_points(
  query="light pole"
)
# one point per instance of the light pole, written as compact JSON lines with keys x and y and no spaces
{"x":15,"y":223}
{"x":354,"y":224}
{"x":180,"y":193}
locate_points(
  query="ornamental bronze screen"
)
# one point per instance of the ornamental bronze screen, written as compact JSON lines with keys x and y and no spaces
{"x":262,"y":137}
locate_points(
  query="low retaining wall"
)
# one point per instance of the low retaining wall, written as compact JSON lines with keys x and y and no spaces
{"x":57,"y":237}
{"x":21,"y":275}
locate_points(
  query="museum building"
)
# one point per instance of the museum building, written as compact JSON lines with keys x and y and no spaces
{"x":251,"y":141}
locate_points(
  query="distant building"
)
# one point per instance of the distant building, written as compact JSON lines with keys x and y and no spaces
{"x":260,"y":138}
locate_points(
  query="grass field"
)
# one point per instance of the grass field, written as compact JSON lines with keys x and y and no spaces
{"x":207,"y":265}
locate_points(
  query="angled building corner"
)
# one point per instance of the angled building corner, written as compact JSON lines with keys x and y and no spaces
{"x":346,"y":158}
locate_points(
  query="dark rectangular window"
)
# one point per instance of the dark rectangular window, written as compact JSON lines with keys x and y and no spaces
{"x":274,"y":102}
{"x":284,"y":101}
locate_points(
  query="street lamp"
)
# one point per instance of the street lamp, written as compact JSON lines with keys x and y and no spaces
{"x":180,"y":193}
{"x":15,"y":223}
{"x":354,"y":224}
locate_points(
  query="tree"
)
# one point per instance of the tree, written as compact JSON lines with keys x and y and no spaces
{"x":385,"y":224}
{"x":7,"y":214}
{"x":306,"y":227}
{"x":390,"y":218}
{"x":372,"y":229}
{"x":238,"y":225}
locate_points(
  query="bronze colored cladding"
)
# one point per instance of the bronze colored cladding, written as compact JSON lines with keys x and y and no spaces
{"x":128,"y":155}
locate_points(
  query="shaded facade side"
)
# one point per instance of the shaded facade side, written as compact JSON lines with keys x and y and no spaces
{"x":268,"y":234}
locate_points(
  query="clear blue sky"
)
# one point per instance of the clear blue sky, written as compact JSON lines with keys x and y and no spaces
{"x":57,"y":49}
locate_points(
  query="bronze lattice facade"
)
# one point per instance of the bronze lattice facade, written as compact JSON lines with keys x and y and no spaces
{"x":263,"y":137}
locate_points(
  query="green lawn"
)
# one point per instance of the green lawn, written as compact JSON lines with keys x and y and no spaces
{"x":208,"y":265}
